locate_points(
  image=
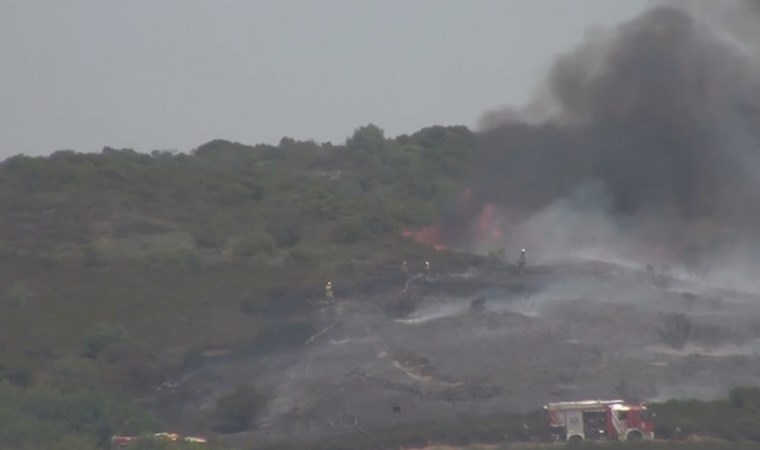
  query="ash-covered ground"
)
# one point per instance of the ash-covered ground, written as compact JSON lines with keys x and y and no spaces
{"x":559,"y":332}
{"x":643,"y":144}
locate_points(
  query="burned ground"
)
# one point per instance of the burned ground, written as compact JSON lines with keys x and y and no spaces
{"x":560,"y":332}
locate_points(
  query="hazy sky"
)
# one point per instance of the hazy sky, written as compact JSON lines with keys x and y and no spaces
{"x":173,"y":74}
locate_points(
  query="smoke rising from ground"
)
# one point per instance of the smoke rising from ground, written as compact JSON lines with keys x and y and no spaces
{"x":648,"y":133}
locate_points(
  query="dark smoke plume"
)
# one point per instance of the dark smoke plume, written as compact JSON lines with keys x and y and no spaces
{"x":658,"y":118}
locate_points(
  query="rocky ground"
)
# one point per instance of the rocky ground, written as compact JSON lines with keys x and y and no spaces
{"x":559,"y":332}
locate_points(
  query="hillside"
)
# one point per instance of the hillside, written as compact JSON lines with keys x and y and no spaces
{"x":119,"y":268}
{"x":169,"y":291}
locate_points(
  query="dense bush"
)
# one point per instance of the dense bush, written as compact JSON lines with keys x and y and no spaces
{"x":167,"y":244}
{"x":160,"y":444}
{"x":236,"y":411}
{"x":38,"y":418}
{"x":102,"y":336}
{"x":676,"y":331}
{"x":746,"y":399}
{"x":285,"y":235}
{"x":736,"y":419}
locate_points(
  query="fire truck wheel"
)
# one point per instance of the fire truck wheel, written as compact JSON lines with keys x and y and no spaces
{"x":635,"y":436}
{"x":575,"y":441}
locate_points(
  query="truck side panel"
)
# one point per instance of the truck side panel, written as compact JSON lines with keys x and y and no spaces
{"x":574,"y":422}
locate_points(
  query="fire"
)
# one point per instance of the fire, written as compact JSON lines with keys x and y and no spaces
{"x":487,"y":227}
{"x":483,"y":228}
{"x":430,"y":236}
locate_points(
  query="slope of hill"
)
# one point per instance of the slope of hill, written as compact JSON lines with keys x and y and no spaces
{"x":120,"y":267}
{"x":123,"y":272}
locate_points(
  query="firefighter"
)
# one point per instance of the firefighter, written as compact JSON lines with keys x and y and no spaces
{"x":329,"y":292}
{"x":522,"y":262}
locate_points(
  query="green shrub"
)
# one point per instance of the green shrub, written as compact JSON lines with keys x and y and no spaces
{"x":285,"y":235}
{"x":236,"y":411}
{"x":377,"y":225}
{"x":745,"y":398}
{"x":300,"y":257}
{"x":18,"y":372}
{"x":162,"y":444}
{"x":102,"y":336}
{"x":350,"y":232}
{"x":254,"y":244}
{"x":677,"y":331}
{"x":42,"y":418}
{"x":72,"y":373}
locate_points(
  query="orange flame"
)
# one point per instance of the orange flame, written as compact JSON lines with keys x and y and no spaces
{"x":429,"y":236}
{"x":484,"y":228}
{"x":488,"y":229}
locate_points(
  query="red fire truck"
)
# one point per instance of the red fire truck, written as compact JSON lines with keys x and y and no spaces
{"x":576,"y":422}
{"x":121,"y":442}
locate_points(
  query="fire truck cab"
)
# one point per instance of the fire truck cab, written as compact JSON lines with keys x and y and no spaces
{"x":590,"y":420}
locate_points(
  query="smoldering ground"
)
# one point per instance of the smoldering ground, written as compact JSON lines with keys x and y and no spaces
{"x":644,"y":146}
{"x":644,"y":143}
{"x":578,"y":332}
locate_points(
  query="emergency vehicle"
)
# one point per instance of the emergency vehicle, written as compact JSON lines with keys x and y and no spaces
{"x":590,"y":420}
{"x":123,"y":442}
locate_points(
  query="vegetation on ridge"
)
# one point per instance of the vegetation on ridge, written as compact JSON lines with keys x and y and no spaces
{"x":118,"y":268}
